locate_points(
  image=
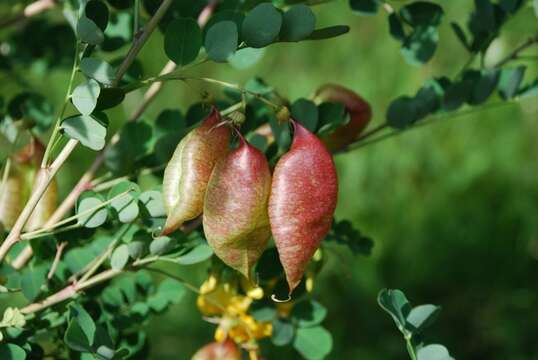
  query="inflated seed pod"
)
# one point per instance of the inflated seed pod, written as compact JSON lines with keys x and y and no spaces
{"x":358,"y":109}
{"x":302,"y":202}
{"x":226,"y":350}
{"x":187,"y":174}
{"x":11,"y":198}
{"x":236,"y":223}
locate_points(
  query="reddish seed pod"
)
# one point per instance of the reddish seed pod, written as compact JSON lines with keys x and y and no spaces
{"x":302,"y":202}
{"x":187,"y":174}
{"x":236,"y":223}
{"x":226,"y":350}
{"x":359,"y":111}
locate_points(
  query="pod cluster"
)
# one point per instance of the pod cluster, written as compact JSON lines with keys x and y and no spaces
{"x":242,"y":204}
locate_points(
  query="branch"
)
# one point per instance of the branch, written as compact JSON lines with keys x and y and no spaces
{"x":514,"y":54}
{"x":141,"y":40}
{"x":44,"y":179}
{"x":14,"y":235}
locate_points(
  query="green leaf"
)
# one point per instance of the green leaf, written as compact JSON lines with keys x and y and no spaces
{"x":344,"y":233}
{"x":419,"y":47}
{"x":329,"y":32}
{"x":84,"y":321}
{"x":402,"y":112}
{"x":97,"y":11}
{"x":422,"y":316}
{"x":90,"y":132}
{"x":118,"y":32}
{"x":395,"y":303}
{"x":161,"y":245}
{"x":510,"y":80}
{"x":31,"y":281}
{"x":127,"y":205}
{"x":283,"y":332}
{"x":535,"y":5}
{"x":261,"y":25}
{"x":85,"y":96}
{"x":88,"y":32}
{"x":331,"y":116}
{"x":11,"y":352}
{"x":98,"y":69}
{"x":314,"y":343}
{"x":306,"y":112}
{"x":135,"y":142}
{"x":182,"y":40}
{"x":422,"y":13}
{"x":119,"y":257}
{"x":456,"y":95}
{"x":109,"y":98}
{"x":460,"y":34}
{"x":298,"y":23}
{"x":171,"y":290}
{"x":433,"y":352}
{"x":396,"y":27}
{"x":153,"y":202}
{"x":87,"y":201}
{"x":198,"y":254}
{"x":221,"y":41}
{"x":136,"y":249}
{"x":485,"y":86}
{"x":75,"y":338}
{"x":364,"y":7}
{"x":246,"y":58}
{"x":308,"y":313}
{"x":30,"y":106}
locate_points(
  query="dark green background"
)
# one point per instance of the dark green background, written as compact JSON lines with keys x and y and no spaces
{"x":452,"y":207}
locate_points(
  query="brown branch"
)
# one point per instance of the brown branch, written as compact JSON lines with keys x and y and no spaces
{"x":85,"y":181}
{"x":515,"y":53}
{"x":41,"y":186}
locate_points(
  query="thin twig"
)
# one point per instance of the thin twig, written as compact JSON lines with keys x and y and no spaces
{"x":84,"y":182}
{"x":38,"y":192}
{"x":514,"y":54}
{"x":59,"y":250}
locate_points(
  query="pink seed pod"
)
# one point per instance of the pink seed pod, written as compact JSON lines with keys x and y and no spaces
{"x":302,"y":202}
{"x":236,"y":223}
{"x":359,"y":111}
{"x":226,"y":350}
{"x":187,"y":174}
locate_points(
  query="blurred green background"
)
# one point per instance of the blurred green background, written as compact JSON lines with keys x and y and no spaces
{"x":452,"y":207}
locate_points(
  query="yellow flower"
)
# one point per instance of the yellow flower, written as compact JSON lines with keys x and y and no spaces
{"x":222,"y":299}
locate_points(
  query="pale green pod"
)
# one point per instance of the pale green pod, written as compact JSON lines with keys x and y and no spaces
{"x":187,"y":174}
{"x":11,"y":199}
{"x":236,"y":221}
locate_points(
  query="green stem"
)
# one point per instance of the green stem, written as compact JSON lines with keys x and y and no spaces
{"x":32,"y":234}
{"x":410,"y":348}
{"x":434,"y":119}
{"x":105,"y":254}
{"x":56,"y":128}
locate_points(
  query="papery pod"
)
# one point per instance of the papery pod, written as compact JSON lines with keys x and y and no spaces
{"x":236,"y":223}
{"x":359,"y":111}
{"x":302,"y":202}
{"x":29,"y":159}
{"x":11,"y":198}
{"x":187,"y":174}
{"x":226,"y":350}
